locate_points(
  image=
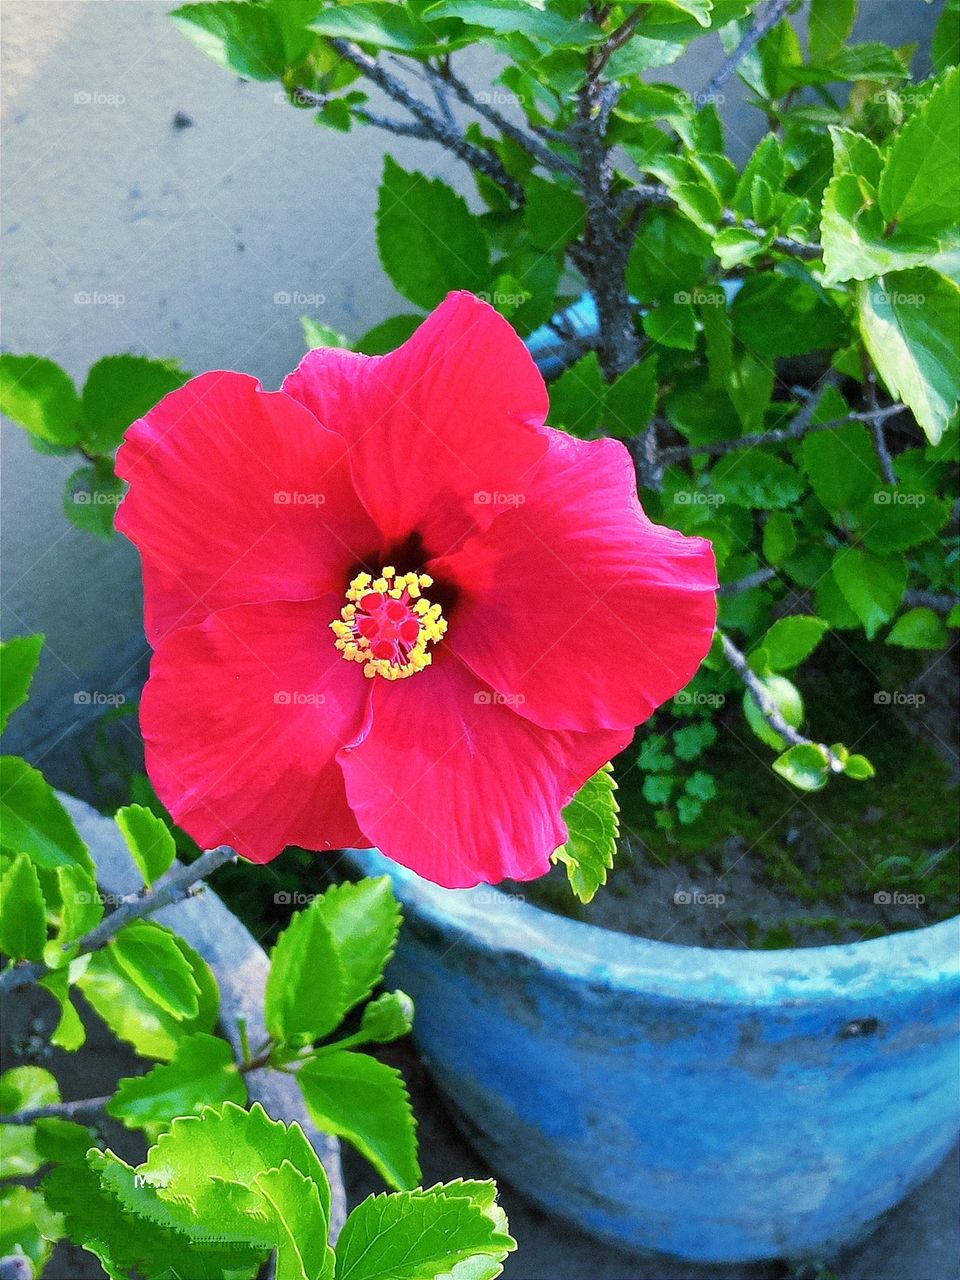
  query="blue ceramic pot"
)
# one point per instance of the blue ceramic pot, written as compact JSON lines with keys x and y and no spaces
{"x":721,"y":1106}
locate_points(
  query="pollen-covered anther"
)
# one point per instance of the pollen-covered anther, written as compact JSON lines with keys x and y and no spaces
{"x":387,"y":624}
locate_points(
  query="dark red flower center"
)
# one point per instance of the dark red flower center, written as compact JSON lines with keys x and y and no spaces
{"x":387,"y":623}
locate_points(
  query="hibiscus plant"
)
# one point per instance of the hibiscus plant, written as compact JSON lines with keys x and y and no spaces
{"x":416,"y":599}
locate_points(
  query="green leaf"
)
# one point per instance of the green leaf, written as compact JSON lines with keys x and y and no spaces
{"x":388,"y":335}
{"x":388,"y":26}
{"x":39,"y":396}
{"x":630,"y":401}
{"x":577,"y":396}
{"x":779,"y":537}
{"x":246,"y":38}
{"x":298,"y":1005}
{"x":592,"y":830}
{"x":872,"y":585}
{"x":831,"y":22}
{"x":34,"y":820}
{"x":786,"y":697}
{"x":859,"y":768}
{"x":133,"y":1015}
{"x":118,"y":391}
{"x":554,"y":215}
{"x":321,"y":335}
{"x":81,"y":908}
{"x":909,"y":321}
{"x":919,"y":629}
{"x":203,"y":1071}
{"x":22,"y":912}
{"x":227,"y":1145}
{"x":91,"y":497}
{"x":364,"y":1101}
{"x":519,"y":17}
{"x":69,"y":1033}
{"x":791,"y":640}
{"x":778,"y":315}
{"x":149,"y":840}
{"x":387,"y":1018}
{"x":897,"y":519}
{"x":428,"y":239}
{"x":756,"y":479}
{"x":945,"y":45}
{"x":445,"y":1233}
{"x":18,"y":661}
{"x":672,"y":324}
{"x":363,"y":920}
{"x":150,"y":957}
{"x":920,"y":185}
{"x":841,"y":462}
{"x":805,"y":765}
{"x":23,"y":1089}
{"x":692,"y":740}
{"x":27,"y":1225}
{"x":300,"y":1222}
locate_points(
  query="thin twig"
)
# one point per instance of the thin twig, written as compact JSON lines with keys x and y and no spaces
{"x":747,"y":583}
{"x":438,"y":128}
{"x":174,"y":887}
{"x":768,"y":707}
{"x":619,"y":37}
{"x":797,"y":429}
{"x":768,"y":18}
{"x":63,"y":1110}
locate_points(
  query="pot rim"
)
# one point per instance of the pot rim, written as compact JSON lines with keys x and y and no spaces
{"x":911,"y":962}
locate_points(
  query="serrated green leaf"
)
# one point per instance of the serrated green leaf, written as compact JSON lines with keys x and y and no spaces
{"x":630,"y":401}
{"x":81,"y":908}
{"x":149,"y":956}
{"x":554,"y":214}
{"x":672,"y":324}
{"x":920,"y":185}
{"x":34,"y":820}
{"x":841,"y":464}
{"x":897,"y":519}
{"x":203,"y":1071}
{"x":388,"y":26}
{"x":422,"y":1235}
{"x":919,"y":629}
{"x":577,"y":396}
{"x":364,"y":921}
{"x":872,"y":585}
{"x":778,"y":315}
{"x":18,"y":661}
{"x":131,"y":1013}
{"x":246,"y":38}
{"x":779,"y":537}
{"x":757,"y":479}
{"x":91,"y":497}
{"x":40,"y":397}
{"x":791,"y":640}
{"x":69,"y":1033}
{"x":831,"y":22}
{"x":786,"y":697}
{"x":511,"y":17}
{"x":805,"y":766}
{"x":303,"y":1252}
{"x":364,"y":1101}
{"x":428,"y":239}
{"x":118,"y":391}
{"x":593,"y":826}
{"x":149,"y":840}
{"x":23,"y":921}
{"x":297,"y":1004}
{"x":909,"y":321}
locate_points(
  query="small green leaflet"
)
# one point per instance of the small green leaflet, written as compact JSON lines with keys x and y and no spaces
{"x":203,"y":1072}
{"x":149,"y":840}
{"x":18,"y":661}
{"x":593,"y":826}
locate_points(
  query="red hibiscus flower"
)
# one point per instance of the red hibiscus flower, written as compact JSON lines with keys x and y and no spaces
{"x":390,"y":607}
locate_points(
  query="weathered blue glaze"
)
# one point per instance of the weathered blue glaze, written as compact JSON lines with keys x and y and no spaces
{"x":722,"y":1106}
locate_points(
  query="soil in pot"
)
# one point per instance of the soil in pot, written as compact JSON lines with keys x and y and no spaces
{"x":765,"y":865}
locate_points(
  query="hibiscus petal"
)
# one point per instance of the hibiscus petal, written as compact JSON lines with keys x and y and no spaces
{"x":450,"y":782}
{"x":242,"y":717}
{"x":439,"y":426}
{"x":575,"y":605}
{"x":237,"y":495}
